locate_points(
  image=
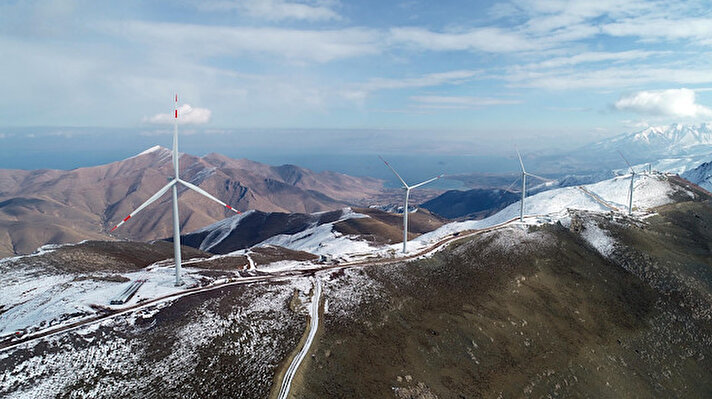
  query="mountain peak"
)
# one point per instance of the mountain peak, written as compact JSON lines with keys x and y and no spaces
{"x":154,"y":149}
{"x":676,"y":134}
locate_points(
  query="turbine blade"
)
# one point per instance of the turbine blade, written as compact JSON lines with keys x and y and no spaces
{"x":513,"y":183}
{"x":205,"y":193}
{"x":155,"y":196}
{"x":175,"y":138}
{"x":394,"y":171}
{"x":520,"y":161}
{"x":426,"y":182}
{"x":626,"y":161}
{"x":537,"y":177}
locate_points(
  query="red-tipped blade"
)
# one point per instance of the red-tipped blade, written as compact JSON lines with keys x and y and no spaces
{"x":233,"y":209}
{"x":115,"y":227}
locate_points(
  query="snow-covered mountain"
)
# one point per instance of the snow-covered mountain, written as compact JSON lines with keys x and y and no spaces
{"x":650,"y":145}
{"x":651,"y":190}
{"x":701,"y":175}
{"x":343,"y":231}
{"x":656,"y":141}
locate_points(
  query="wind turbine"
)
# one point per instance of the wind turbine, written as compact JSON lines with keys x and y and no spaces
{"x":630,"y":190}
{"x":407,"y":195}
{"x":524,"y":186}
{"x":173,"y":184}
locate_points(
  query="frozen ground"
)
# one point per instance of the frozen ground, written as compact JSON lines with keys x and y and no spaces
{"x":553,"y":205}
{"x":35,"y":298}
{"x":162,"y":350}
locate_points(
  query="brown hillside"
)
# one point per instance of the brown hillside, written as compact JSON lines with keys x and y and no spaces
{"x":56,"y":206}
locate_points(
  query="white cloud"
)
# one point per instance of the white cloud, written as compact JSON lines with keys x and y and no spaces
{"x":457,"y":102}
{"x":606,"y":78}
{"x":663,"y":28}
{"x":678,"y":103}
{"x":204,"y":41}
{"x":186,"y":115}
{"x":593,"y":57}
{"x":427,"y":80}
{"x":274,"y":10}
{"x":359,"y":92}
{"x":487,"y":39}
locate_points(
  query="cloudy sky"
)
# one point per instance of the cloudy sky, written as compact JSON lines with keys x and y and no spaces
{"x":470,"y":72}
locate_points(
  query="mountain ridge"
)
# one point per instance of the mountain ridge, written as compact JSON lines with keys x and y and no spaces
{"x":61,"y":206}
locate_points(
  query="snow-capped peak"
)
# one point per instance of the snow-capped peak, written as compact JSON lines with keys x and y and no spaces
{"x":155,"y":148}
{"x":675,"y":136}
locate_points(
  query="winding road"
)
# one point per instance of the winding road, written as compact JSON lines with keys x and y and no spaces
{"x":597,"y":198}
{"x":313,"y":326}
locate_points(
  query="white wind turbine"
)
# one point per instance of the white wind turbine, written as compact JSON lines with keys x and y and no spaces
{"x":173,"y":185}
{"x":407,"y":195}
{"x":524,"y":185}
{"x":630,"y":189}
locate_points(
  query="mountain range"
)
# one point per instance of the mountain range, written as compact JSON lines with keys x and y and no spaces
{"x":642,"y":146}
{"x":59,"y":206}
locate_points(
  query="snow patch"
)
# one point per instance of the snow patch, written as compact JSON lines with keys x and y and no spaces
{"x":598,"y":238}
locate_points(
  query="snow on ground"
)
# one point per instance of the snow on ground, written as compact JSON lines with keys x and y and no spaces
{"x":34,"y":298}
{"x":220,"y":230}
{"x":678,"y":165}
{"x":122,"y":359}
{"x":649,"y":191}
{"x":548,"y":206}
{"x":323,"y":240}
{"x":598,"y":238}
{"x":285,"y":265}
{"x":517,"y":238}
{"x":348,"y":292}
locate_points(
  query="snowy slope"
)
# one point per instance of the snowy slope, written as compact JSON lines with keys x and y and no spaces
{"x":701,"y":175}
{"x":220,"y":230}
{"x":36,"y":297}
{"x":650,"y":191}
{"x":323,"y":240}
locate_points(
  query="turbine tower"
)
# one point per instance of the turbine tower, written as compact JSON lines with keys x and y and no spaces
{"x":407,"y":195}
{"x":173,"y":184}
{"x":630,"y":189}
{"x":524,"y":186}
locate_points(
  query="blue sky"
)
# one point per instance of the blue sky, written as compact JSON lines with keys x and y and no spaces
{"x":451,"y":77}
